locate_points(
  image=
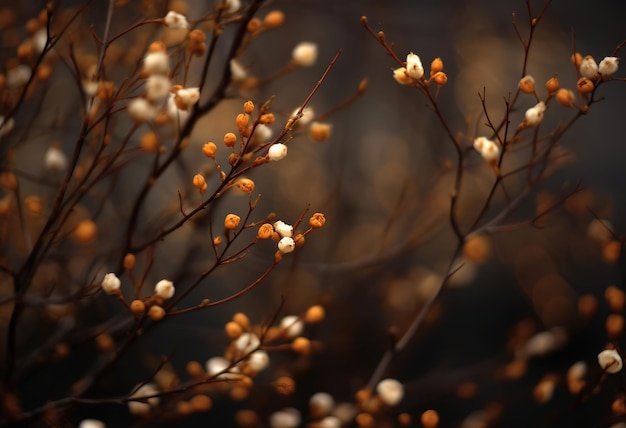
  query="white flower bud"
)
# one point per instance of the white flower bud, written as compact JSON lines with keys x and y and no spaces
{"x":90,"y":88}
{"x":305,"y":54}
{"x":322,"y":402}
{"x":237,"y":71}
{"x":330,"y":422}
{"x":54,"y":159}
{"x":175,"y":21}
{"x":292,"y":325}
{"x":488,"y":149}
{"x":164,"y":289}
{"x":277,"y":151}
{"x":401,"y":76}
{"x":141,"y":110}
{"x":414,"y":66}
{"x":247,"y":343}
{"x":608,"y":66}
{"x":232,"y":6}
{"x":156,"y":63}
{"x":610,"y":360}
{"x":390,"y":391}
{"x":157,"y":87}
{"x":143,"y":407}
{"x":111,"y":283}
{"x":258,"y":361}
{"x":18,"y":76}
{"x":543,"y":343}
{"x":216,"y":365}
{"x":286,"y":245}
{"x":188,"y":96}
{"x":285,"y":418}
{"x":534,"y":115}
{"x":174,"y":113}
{"x":91,"y":423}
{"x":308,"y":114}
{"x":263,"y":133}
{"x":283,"y":229}
{"x":588,"y":67}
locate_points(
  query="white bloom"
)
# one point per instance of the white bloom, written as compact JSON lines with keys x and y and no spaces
{"x":577,"y":371}
{"x":610,"y":360}
{"x":247,"y":343}
{"x":54,"y":159}
{"x":608,"y":66}
{"x":143,"y":407}
{"x":6,"y":126}
{"x":534,"y":115}
{"x":164,"y":289}
{"x":111,"y":283}
{"x":488,"y":149}
{"x":286,"y":245}
{"x":283,"y":229}
{"x":90,"y":88}
{"x":286,"y":418}
{"x":292,"y":325}
{"x":390,"y":391}
{"x":277,"y":151}
{"x":141,"y":110}
{"x":91,"y":423}
{"x":308,"y":114}
{"x":233,"y":5}
{"x":157,"y":87}
{"x":175,"y":20}
{"x":156,"y":63}
{"x":18,"y":76}
{"x":305,"y":54}
{"x":588,"y":67}
{"x":401,"y":76}
{"x":237,"y":71}
{"x":263,"y":133}
{"x":330,"y":422}
{"x":174,"y":113}
{"x":187,"y":97}
{"x":39,"y":39}
{"x":322,"y":402}
{"x":543,"y":343}
{"x":259,"y":360}
{"x":216,"y":365}
{"x":414,"y":66}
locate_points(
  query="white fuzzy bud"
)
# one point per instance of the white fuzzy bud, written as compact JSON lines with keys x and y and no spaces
{"x":285,"y":418}
{"x":18,"y":76}
{"x":608,"y":66}
{"x":305,"y":54}
{"x":414,"y":66}
{"x":91,"y":423}
{"x":322,"y":402}
{"x":143,"y":407}
{"x":164,"y":289}
{"x":534,"y":115}
{"x":488,"y":149}
{"x":258,"y":361}
{"x":247,"y":343}
{"x":54,"y":159}
{"x":610,"y":360}
{"x":141,"y":110}
{"x":232,"y":6}
{"x":174,"y":113}
{"x":308,"y":114}
{"x":175,"y":21}
{"x":277,"y":151}
{"x":216,"y":365}
{"x":157,"y":87}
{"x":283,"y":229}
{"x":589,"y":67}
{"x":292,"y":325}
{"x":156,"y":63}
{"x":330,"y":422}
{"x":286,"y":245}
{"x":237,"y":71}
{"x":188,"y":96}
{"x":390,"y":391}
{"x":111,"y":283}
